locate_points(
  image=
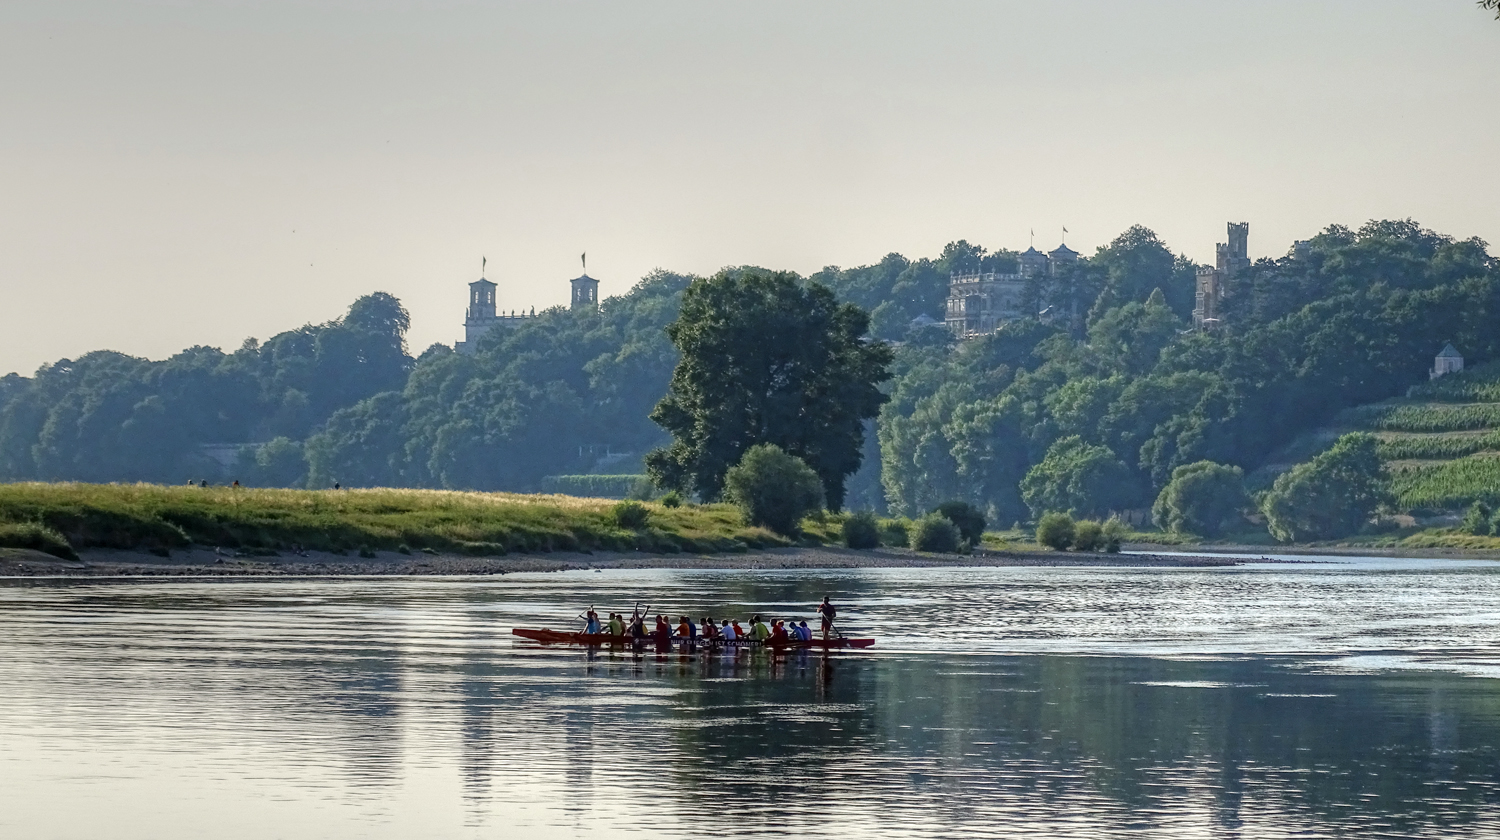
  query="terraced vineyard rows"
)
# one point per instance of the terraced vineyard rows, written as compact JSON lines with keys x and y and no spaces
{"x":1442,"y":441}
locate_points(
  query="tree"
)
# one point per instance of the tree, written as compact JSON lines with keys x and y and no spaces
{"x":1331,"y":496}
{"x":1079,"y":478}
{"x":773,"y":489}
{"x":765,"y":359}
{"x":969,"y":520}
{"x":1492,"y":5}
{"x":1202,"y":498}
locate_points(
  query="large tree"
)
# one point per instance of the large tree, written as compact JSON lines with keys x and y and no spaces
{"x":767,"y":359}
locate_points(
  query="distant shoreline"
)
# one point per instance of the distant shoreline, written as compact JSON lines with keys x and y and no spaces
{"x":201,"y":562}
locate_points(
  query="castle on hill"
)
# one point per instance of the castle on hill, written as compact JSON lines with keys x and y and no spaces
{"x":482,"y":315}
{"x":1232,"y":257}
{"x":979,"y":302}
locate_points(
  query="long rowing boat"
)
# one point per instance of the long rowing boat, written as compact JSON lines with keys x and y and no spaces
{"x":560,"y":637}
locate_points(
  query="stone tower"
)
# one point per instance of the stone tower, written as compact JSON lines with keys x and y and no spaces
{"x":585,"y":292}
{"x":1233,"y":257}
{"x":481,"y":317}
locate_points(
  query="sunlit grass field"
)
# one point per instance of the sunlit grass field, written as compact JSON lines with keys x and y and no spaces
{"x":160,"y":518}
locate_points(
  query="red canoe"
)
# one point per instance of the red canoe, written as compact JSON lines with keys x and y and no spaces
{"x":559,"y":637}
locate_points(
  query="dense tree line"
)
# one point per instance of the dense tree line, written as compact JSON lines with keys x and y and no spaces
{"x":1092,"y":408}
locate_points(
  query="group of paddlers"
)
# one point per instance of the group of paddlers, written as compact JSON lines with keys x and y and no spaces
{"x":774,"y":632}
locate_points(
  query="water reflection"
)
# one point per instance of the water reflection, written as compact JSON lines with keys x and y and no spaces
{"x":405,"y":708}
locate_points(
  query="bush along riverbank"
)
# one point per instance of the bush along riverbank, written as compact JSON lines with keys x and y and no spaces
{"x":159,"y":519}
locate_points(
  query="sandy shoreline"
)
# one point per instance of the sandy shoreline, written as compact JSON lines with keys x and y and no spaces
{"x":207,"y":562}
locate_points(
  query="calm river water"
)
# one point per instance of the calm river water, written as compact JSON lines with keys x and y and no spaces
{"x":1350,"y":698}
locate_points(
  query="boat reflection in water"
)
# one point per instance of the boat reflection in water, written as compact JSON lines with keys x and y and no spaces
{"x":403,"y":708}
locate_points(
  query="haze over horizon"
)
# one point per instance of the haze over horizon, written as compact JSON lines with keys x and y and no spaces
{"x":177,"y":174}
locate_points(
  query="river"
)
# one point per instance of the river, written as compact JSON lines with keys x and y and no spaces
{"x":1342,"y":697}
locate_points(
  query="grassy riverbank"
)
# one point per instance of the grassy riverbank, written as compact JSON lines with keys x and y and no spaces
{"x":162,"y":519}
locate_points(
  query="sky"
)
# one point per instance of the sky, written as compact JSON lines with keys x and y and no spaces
{"x":184,"y":173}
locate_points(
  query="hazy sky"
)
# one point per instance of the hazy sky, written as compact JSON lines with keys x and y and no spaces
{"x":179,"y":173}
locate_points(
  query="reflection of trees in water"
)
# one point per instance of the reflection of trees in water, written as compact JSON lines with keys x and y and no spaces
{"x":1375,"y":749}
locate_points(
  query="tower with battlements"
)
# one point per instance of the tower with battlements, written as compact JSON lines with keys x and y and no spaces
{"x":1214,"y":284}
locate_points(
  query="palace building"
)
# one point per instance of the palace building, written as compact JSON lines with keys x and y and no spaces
{"x":978,"y":303}
{"x":482,"y":315}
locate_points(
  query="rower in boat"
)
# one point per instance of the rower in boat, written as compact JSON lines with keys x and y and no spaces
{"x":758,"y":629}
{"x":729,"y":632}
{"x":616,"y":624}
{"x":591,"y":622}
{"x":663,"y":632}
{"x":686,"y":629}
{"x":778,"y":633}
{"x":739,"y":632}
{"x":803,"y":632}
{"x":710,"y":630}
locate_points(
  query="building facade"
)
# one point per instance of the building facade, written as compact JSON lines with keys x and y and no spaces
{"x":979,"y":302}
{"x":1231,"y":259}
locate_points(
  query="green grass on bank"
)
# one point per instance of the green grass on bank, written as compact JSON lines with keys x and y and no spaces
{"x":158,"y":518}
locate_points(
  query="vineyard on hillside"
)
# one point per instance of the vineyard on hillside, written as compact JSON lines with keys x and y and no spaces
{"x":1441,"y":442}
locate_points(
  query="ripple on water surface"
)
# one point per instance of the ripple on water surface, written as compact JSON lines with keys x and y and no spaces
{"x":1310,"y":701}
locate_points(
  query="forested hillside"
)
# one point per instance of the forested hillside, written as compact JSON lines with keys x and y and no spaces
{"x":1090,"y":409}
{"x":1095,"y":415}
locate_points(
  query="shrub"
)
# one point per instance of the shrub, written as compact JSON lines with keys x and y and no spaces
{"x":1477,"y":520}
{"x":1113,"y":534}
{"x":672,"y":499}
{"x":1203,"y":498}
{"x":860,"y":530}
{"x":1088,"y":535}
{"x":967,"y":518}
{"x":894,"y":532}
{"x":773,"y":489}
{"x":1055,"y":530}
{"x":37,"y":538}
{"x":641,"y":490}
{"x":935,"y":532}
{"x":631,"y":515}
{"x":1331,"y":496}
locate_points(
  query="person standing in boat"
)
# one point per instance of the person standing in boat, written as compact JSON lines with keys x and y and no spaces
{"x":828,"y":613}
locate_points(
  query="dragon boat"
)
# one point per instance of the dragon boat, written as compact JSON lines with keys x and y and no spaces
{"x":561,"y":637}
